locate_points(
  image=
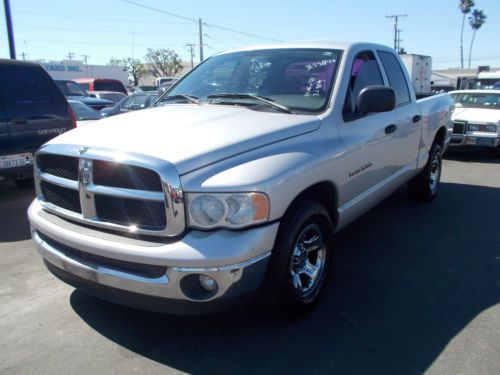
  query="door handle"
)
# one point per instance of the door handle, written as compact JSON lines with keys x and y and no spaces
{"x":390,"y":129}
{"x":416,"y":118}
{"x":19,"y":120}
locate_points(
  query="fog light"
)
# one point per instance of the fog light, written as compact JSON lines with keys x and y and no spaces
{"x":207,"y":283}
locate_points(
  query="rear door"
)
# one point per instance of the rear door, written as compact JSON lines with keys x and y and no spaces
{"x":406,"y":114}
{"x":35,"y":111}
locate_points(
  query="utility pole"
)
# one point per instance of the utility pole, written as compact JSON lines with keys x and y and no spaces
{"x":191,"y":50}
{"x":396,"y":30}
{"x":85,"y":59}
{"x":10,"y":31}
{"x":70,"y":55}
{"x":201,"y":39}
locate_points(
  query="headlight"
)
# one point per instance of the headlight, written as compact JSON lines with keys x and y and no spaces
{"x":473,"y":127}
{"x":235,"y":210}
{"x":491,"y":128}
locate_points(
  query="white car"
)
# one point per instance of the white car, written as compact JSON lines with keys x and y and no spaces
{"x":476,"y":118}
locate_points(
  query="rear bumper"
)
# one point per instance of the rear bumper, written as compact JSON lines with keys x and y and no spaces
{"x":161,"y":278}
{"x":481,"y":140}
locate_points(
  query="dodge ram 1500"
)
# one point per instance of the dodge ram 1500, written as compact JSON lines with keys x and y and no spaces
{"x":233,"y":185}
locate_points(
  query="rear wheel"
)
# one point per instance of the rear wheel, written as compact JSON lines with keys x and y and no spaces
{"x":424,"y":187}
{"x":300,"y":261}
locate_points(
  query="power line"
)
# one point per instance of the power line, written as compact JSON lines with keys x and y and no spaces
{"x":94,"y":31}
{"x":66,"y":16}
{"x":197,"y":20}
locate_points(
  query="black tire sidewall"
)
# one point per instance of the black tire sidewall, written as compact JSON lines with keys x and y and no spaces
{"x":278,"y":281}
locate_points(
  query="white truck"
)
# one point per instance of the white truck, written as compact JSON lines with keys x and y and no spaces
{"x":232,"y":187}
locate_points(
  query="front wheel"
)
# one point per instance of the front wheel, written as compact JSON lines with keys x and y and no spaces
{"x":300,"y":261}
{"x":424,"y":187}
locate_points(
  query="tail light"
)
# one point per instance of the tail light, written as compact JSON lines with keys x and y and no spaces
{"x":72,"y":117}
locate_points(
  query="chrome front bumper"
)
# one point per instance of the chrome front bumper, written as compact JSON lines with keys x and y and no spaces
{"x":478,"y":140}
{"x":237,"y":261}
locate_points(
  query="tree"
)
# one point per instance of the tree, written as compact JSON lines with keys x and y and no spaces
{"x":465,"y":7}
{"x":476,"y":20}
{"x":135,"y":68}
{"x":164,"y":62}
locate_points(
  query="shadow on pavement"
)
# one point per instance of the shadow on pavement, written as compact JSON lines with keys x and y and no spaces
{"x":406,"y":279}
{"x":468,"y":155}
{"x":14,"y":203}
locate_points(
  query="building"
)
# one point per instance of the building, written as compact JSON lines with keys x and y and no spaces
{"x":72,"y":69}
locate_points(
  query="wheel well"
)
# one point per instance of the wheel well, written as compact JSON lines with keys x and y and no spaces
{"x":324,"y":192}
{"x":440,"y":136}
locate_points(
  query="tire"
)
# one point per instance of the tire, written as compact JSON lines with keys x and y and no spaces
{"x":296,"y":276}
{"x":425,"y":186}
{"x":25,"y":184}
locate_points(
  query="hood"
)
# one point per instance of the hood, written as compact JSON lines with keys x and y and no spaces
{"x":190,"y":136}
{"x":477,"y":115}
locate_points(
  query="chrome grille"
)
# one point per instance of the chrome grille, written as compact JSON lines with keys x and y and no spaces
{"x":62,"y":197}
{"x":112,"y":190}
{"x":146,"y":215}
{"x":125,"y":176}
{"x":60,"y":166}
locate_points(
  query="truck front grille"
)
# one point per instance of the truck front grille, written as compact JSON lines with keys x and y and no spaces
{"x":125,"y":176}
{"x":129,"y":195}
{"x":143,"y":214}
{"x":61,"y":196}
{"x":60,"y":166}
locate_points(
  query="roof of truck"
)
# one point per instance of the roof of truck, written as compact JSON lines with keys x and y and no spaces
{"x":311,"y":44}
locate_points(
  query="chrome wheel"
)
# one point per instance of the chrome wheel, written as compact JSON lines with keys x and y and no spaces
{"x":435,"y":172}
{"x":308,"y":260}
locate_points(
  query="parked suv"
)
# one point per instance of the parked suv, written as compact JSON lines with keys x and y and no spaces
{"x":32,"y":111}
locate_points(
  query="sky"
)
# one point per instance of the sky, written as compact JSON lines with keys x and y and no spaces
{"x":102,"y":29}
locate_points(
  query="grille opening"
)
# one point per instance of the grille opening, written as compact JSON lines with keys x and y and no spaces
{"x":459,"y":128}
{"x":139,"y":269}
{"x":58,"y":165}
{"x":60,"y":196}
{"x":143,"y":214}
{"x":125,"y":176}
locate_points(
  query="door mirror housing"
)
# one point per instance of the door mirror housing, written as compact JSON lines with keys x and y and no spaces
{"x":376,"y":99}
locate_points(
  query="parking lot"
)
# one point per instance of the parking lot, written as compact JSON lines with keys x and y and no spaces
{"x":414,"y":288}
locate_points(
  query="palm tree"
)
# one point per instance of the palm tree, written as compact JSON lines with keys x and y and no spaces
{"x":476,"y":20}
{"x":465,"y":7}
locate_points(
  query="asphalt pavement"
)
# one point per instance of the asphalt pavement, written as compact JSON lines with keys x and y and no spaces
{"x":414,"y":288}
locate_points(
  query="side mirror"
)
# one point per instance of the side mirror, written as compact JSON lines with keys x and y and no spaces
{"x":376,"y":99}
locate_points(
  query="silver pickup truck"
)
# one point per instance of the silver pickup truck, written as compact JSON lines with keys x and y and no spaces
{"x":232,"y":187}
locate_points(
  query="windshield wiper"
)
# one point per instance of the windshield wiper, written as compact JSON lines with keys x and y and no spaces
{"x":189,"y":98}
{"x":263,"y":99}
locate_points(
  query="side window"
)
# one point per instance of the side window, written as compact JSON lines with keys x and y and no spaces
{"x":125,"y":104}
{"x":84,"y":86}
{"x":364,"y":72}
{"x":396,"y":77}
{"x":28,"y":87}
{"x":137,"y":102}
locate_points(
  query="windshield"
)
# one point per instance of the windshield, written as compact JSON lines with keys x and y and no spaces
{"x":477,"y":100}
{"x":70,"y":88}
{"x":300,"y":79}
{"x":84,"y":112}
